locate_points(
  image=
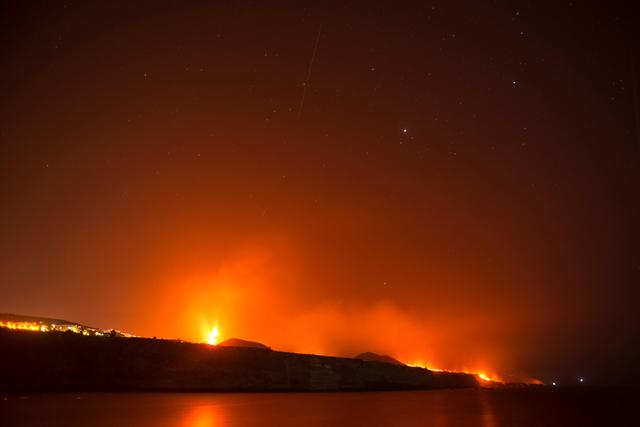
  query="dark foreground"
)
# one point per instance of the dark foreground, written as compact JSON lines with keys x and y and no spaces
{"x":58,"y":361}
{"x":451,"y":408}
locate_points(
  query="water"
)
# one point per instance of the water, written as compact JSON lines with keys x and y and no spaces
{"x":451,"y":408}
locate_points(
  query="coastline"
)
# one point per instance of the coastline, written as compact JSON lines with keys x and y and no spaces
{"x":57,"y":361}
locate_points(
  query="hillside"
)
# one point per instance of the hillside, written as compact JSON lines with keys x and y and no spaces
{"x":65,"y":361}
{"x":374,"y":357}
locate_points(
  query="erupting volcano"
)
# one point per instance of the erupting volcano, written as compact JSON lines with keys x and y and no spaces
{"x":331,"y":195}
{"x":213,"y":336}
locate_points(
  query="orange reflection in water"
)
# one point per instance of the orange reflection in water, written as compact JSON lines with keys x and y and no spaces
{"x":203,"y":416}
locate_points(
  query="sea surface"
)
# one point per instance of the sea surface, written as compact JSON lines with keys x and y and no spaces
{"x":488,"y":408}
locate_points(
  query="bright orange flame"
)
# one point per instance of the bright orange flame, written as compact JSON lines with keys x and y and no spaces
{"x":484,"y":376}
{"x":480,"y":374}
{"x":212,"y":338}
{"x":420,"y":364}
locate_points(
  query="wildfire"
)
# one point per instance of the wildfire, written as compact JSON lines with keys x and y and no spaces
{"x":212,"y":338}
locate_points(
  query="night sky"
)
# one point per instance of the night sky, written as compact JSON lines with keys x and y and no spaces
{"x":454,"y":183}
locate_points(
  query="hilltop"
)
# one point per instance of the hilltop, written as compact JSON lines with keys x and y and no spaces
{"x":237,"y":342}
{"x":373,"y":357}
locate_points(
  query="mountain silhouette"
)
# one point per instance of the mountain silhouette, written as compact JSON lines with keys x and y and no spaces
{"x":373,"y":357}
{"x":237,"y":342}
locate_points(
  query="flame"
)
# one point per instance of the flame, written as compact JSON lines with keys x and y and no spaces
{"x":212,"y":338}
{"x":420,"y":364}
{"x":482,"y":375}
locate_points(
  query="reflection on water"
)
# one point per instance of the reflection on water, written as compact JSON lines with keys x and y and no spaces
{"x":439,"y":408}
{"x":488,"y":418}
{"x":202,"y":416}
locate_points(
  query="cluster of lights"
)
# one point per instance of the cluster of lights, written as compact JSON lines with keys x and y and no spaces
{"x":44,"y":327}
{"x":24,"y":326}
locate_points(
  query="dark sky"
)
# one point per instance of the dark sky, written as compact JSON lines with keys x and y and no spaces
{"x":454,"y":183}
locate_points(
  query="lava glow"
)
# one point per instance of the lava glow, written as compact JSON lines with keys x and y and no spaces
{"x":484,"y":376}
{"x":479,"y":374}
{"x":261,"y":281}
{"x":422,"y":365}
{"x":212,"y":338}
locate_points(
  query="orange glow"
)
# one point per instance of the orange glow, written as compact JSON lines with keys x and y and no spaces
{"x":469,"y":217}
{"x":482,"y":375}
{"x":213,"y":336}
{"x":203,"y":415}
{"x":420,"y":364}
{"x":258,"y":292}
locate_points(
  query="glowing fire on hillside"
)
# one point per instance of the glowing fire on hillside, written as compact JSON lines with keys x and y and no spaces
{"x":212,"y":338}
{"x":481,"y":375}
